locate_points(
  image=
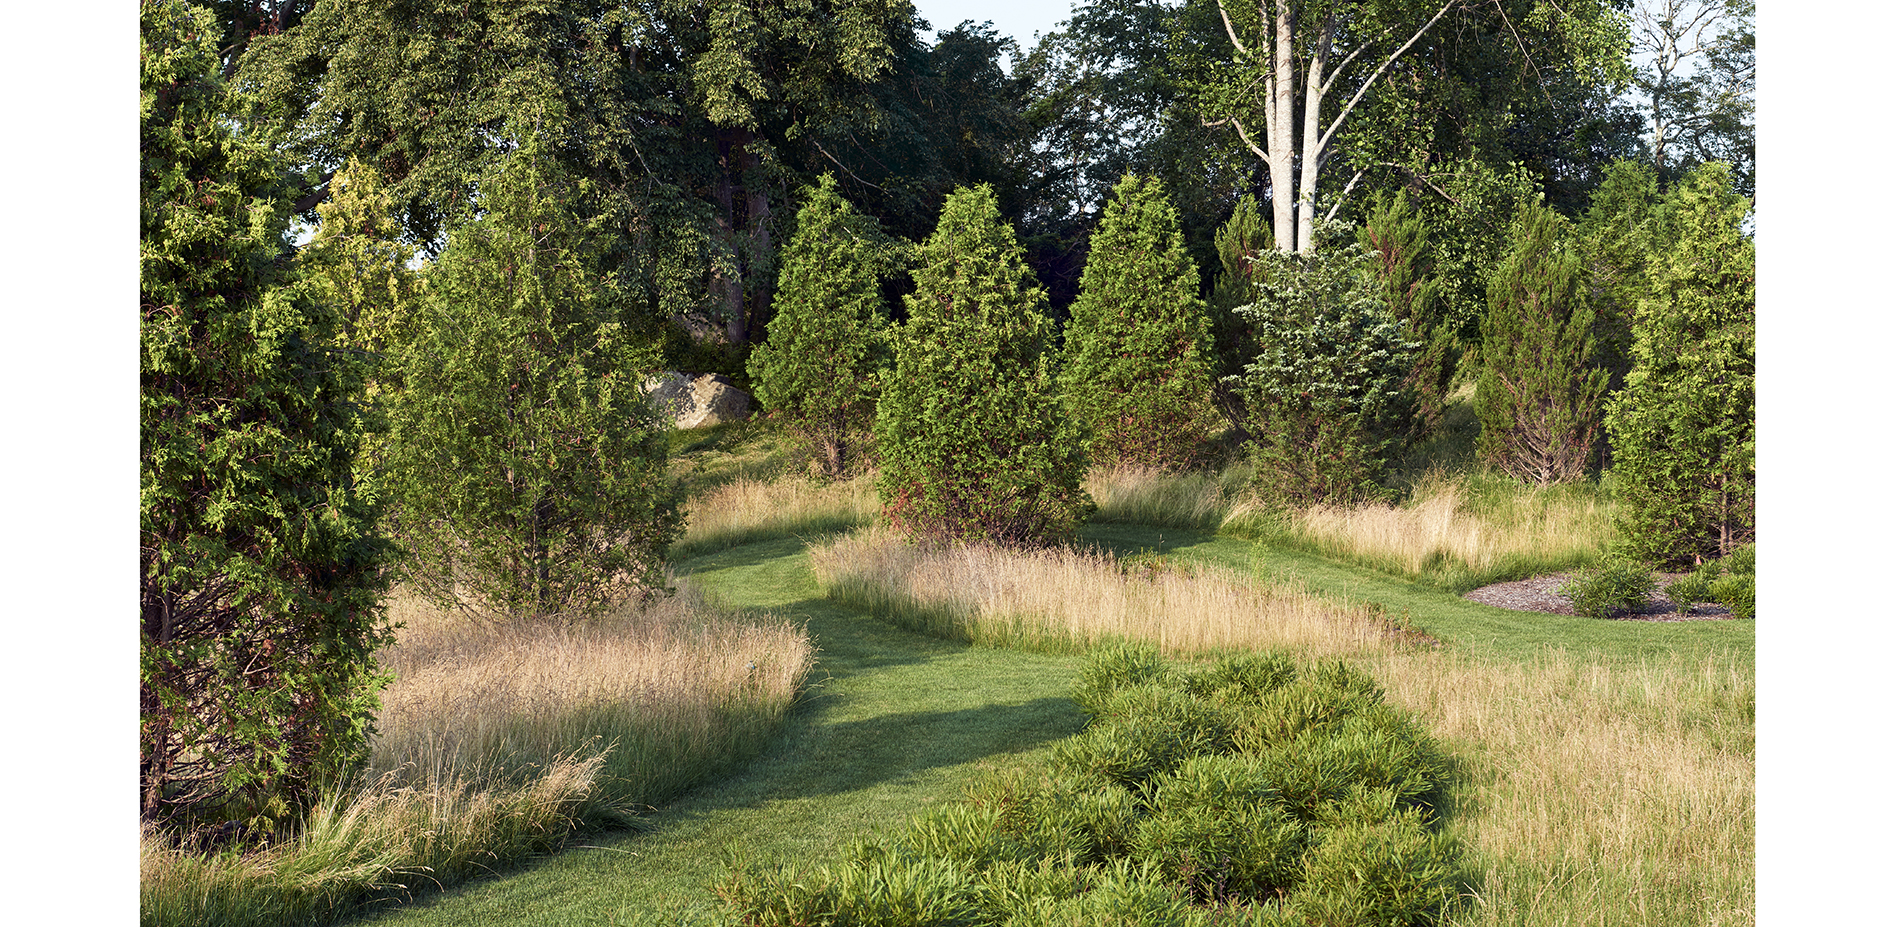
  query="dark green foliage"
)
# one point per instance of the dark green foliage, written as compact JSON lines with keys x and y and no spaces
{"x":1398,"y":234}
{"x":1328,"y":398}
{"x":1614,"y":586}
{"x":260,"y":569}
{"x":1239,"y":243}
{"x":971,"y":437}
{"x":1682,"y":431}
{"x":819,"y":365}
{"x":1540,"y":390}
{"x":1135,"y":367}
{"x":1332,"y":823}
{"x":529,"y":471}
{"x":1613,"y":241}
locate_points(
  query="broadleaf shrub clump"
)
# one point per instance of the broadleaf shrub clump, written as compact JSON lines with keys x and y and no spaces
{"x":1249,"y":787}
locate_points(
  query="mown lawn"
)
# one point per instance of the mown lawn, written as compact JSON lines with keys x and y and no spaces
{"x":897,"y":721}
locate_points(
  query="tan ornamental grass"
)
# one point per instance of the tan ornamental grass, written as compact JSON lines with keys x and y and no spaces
{"x":495,"y":742}
{"x":1594,"y":794}
{"x":746,"y":510}
{"x":1444,"y":522}
{"x":1065,"y":599}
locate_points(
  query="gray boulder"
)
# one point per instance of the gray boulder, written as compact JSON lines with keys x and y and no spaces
{"x":697,"y":400}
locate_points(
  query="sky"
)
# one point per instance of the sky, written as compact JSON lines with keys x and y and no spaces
{"x":1018,"y":19}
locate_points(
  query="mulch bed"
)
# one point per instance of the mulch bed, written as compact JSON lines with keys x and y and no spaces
{"x":1539,"y":594}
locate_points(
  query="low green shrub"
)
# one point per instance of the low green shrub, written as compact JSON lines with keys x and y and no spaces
{"x":1737,"y":591}
{"x":1248,"y":791}
{"x":1613,"y":586}
{"x":1729,"y":581}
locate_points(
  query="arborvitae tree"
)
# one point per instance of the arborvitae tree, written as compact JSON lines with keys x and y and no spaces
{"x":1328,"y":394}
{"x":357,"y":262}
{"x":1135,"y":359}
{"x":1398,"y":235}
{"x":1540,"y":388}
{"x":825,"y":344}
{"x":972,"y":439}
{"x":1682,"y":432}
{"x":260,"y":569}
{"x":528,"y":470}
{"x":1239,"y":242}
{"x":1613,"y":241}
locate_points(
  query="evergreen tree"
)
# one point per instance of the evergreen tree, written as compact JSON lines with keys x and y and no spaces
{"x":1135,"y":362}
{"x":1239,"y":243}
{"x":1328,"y":395}
{"x":820,"y":363}
{"x":1682,"y":432}
{"x":1540,"y":389}
{"x":260,"y":569}
{"x":1613,"y":238}
{"x":529,"y":472}
{"x":972,"y":441}
{"x":1397,"y":233}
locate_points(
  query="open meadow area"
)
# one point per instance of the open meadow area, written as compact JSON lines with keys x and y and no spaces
{"x":1603,"y":770}
{"x":731,"y":462}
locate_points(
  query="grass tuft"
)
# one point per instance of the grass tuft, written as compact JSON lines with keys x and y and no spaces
{"x":496,"y":743}
{"x":1066,"y":600}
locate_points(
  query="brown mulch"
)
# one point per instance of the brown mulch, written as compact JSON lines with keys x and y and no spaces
{"x":1539,"y":594}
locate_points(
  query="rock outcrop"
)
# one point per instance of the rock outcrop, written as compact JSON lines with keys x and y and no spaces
{"x":697,"y":400}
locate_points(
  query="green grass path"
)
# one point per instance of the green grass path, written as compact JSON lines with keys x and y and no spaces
{"x":894,"y":722}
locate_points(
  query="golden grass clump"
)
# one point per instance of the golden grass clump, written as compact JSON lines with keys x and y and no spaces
{"x":745,"y":510}
{"x":1179,"y":500}
{"x":1443,"y":522}
{"x":496,"y":742}
{"x":1594,"y":794}
{"x":1067,"y":599}
{"x":673,"y":685}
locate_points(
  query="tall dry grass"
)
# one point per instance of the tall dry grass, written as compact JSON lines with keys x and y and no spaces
{"x":1590,"y":795}
{"x":1065,"y":599}
{"x":1457,"y":531}
{"x":745,"y":510}
{"x":498,"y":742}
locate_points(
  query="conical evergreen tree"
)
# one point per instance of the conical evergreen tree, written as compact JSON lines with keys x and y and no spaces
{"x":260,"y":568}
{"x":1239,"y":242}
{"x":529,"y":472}
{"x":972,"y":440}
{"x":819,"y":364}
{"x":1540,"y":390}
{"x":1399,"y":237}
{"x":1682,"y":432}
{"x":1135,"y":359}
{"x":1613,"y":241}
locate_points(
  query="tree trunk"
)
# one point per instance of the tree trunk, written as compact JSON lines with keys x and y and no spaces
{"x":1280,"y":136}
{"x":1312,"y":148}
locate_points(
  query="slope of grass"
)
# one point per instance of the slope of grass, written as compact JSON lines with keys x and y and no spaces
{"x":1604,"y":769}
{"x":896,"y":722}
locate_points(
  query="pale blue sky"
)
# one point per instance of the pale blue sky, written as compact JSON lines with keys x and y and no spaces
{"x":1019,"y":19}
